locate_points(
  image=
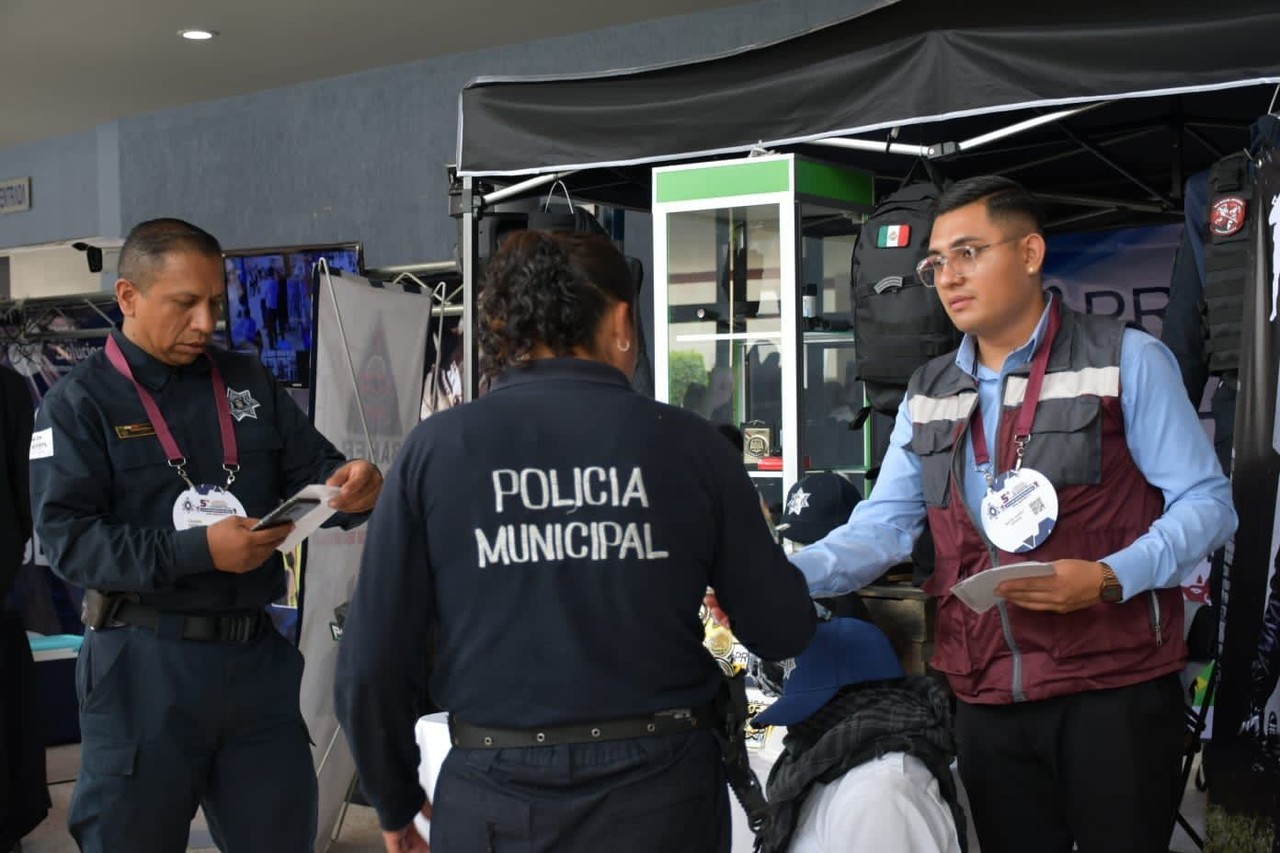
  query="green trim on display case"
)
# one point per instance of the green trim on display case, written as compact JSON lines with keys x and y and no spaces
{"x":723,"y":181}
{"x":821,"y":180}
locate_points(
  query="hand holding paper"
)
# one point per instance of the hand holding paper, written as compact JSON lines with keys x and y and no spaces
{"x":979,"y":591}
{"x":309,"y":523}
{"x":236,"y":547}
{"x":1074,"y":585}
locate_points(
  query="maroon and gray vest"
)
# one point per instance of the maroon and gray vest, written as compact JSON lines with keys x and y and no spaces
{"x":1010,"y":654}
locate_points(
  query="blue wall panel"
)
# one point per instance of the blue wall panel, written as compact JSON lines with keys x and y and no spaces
{"x":64,"y":187}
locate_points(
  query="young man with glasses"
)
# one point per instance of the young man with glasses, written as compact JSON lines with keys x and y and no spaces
{"x":1060,"y":438}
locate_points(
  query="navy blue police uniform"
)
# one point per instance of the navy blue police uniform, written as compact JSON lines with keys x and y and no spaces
{"x":190,"y":696}
{"x":557,"y":536}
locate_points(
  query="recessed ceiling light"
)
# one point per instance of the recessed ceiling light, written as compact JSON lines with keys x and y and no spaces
{"x":197,"y":35}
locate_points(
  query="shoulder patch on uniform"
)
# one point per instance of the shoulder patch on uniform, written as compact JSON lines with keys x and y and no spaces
{"x":891,"y":282}
{"x":134,"y":430}
{"x":242,"y":404}
{"x":1227,"y":215}
{"x":41,"y":444}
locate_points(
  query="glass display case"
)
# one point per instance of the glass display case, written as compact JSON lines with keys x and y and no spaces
{"x":753,"y":322}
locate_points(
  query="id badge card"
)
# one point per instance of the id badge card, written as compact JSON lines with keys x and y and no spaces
{"x":1019,"y":510}
{"x":204,"y":505}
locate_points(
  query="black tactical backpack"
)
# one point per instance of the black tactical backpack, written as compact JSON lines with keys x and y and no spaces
{"x":898,"y":323}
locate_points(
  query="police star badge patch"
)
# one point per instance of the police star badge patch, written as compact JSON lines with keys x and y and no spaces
{"x":799,"y":501}
{"x":242,"y":405}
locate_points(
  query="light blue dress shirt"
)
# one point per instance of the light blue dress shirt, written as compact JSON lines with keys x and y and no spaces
{"x":1164,"y":436}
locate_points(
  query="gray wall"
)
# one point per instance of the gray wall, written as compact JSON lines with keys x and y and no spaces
{"x":363,"y":156}
{"x":356,"y":157}
{"x":67,"y":199}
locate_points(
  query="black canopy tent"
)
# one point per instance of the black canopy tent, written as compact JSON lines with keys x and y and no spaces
{"x":1101,"y":107}
{"x":970,"y":87}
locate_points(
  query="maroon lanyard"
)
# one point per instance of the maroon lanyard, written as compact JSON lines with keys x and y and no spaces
{"x":1027,"y":413}
{"x":230,"y":455}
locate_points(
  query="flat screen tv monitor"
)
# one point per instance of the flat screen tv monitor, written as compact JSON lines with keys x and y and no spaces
{"x":271,"y":304}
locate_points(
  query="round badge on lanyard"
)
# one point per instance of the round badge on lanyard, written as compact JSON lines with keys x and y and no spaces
{"x":1019,"y":510}
{"x":198,"y":505}
{"x":205,"y":504}
{"x":1021,"y":505}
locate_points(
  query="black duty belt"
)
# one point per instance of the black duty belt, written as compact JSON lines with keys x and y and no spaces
{"x":236,"y":628}
{"x":467,"y":736}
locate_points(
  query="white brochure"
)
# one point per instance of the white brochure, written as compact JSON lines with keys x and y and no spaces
{"x":979,"y":591}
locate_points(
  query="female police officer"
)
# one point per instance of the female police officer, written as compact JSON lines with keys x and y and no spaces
{"x":557,"y":536}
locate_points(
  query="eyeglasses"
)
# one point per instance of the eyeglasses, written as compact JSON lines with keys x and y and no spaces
{"x":961,"y":260}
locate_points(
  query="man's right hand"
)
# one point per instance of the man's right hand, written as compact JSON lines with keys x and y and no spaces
{"x":237,"y":549}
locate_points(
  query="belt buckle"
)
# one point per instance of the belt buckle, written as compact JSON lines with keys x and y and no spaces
{"x":238,"y":629}
{"x":678,"y":715}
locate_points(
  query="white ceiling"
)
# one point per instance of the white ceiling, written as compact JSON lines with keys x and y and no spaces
{"x":68,"y":65}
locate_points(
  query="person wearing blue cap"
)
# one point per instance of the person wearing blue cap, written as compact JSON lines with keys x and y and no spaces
{"x":866,"y":760}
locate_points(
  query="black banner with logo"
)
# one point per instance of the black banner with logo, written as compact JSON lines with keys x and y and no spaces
{"x":1243,"y":759}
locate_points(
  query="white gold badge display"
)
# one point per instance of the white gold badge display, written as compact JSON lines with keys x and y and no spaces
{"x":1019,"y":510}
{"x":203,"y":505}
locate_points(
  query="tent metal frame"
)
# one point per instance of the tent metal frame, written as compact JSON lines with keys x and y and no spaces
{"x":936,"y":151}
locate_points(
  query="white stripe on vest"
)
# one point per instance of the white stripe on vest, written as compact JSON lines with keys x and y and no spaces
{"x":1097,"y":381}
{"x":954,"y":408}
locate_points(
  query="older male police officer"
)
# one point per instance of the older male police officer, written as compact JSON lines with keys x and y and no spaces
{"x":148,"y":463}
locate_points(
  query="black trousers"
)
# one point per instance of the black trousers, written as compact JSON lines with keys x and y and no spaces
{"x":168,"y":725}
{"x":1099,"y":769}
{"x":24,"y":796}
{"x":630,"y":796}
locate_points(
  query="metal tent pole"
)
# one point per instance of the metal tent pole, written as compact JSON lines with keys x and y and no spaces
{"x":468,"y":260}
{"x":1005,"y":132}
{"x":516,"y":189}
{"x":872,"y":145}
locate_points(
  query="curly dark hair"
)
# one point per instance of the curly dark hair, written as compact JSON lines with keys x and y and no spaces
{"x":551,"y":289}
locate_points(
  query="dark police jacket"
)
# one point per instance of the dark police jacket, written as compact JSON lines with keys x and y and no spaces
{"x":558,"y":535}
{"x":103,"y":492}
{"x":15,"y":508}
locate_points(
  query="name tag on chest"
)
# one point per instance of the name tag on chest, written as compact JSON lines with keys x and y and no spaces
{"x":134,"y":431}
